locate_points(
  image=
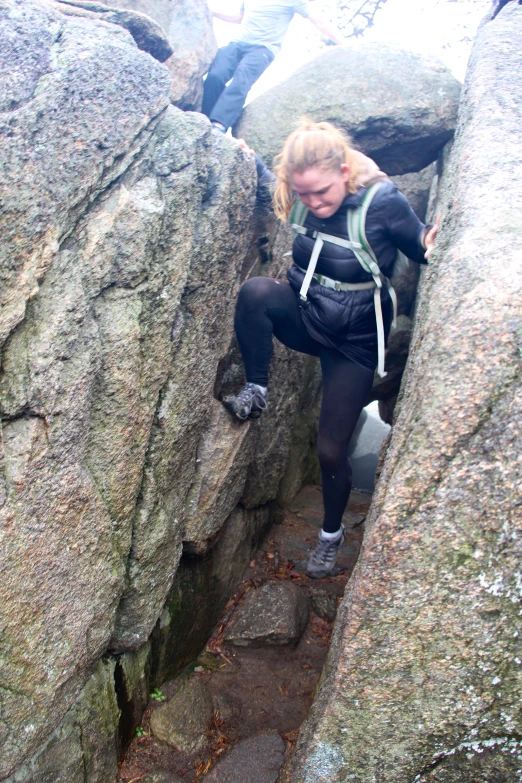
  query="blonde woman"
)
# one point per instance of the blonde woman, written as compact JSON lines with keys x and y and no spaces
{"x":336,"y":318}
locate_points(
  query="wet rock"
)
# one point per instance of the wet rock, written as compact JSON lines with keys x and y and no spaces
{"x":399,"y":107}
{"x":161,"y":776}
{"x":425,"y":655}
{"x":257,"y":759}
{"x":147,"y":34}
{"x":183,"y":721}
{"x":323,"y":603}
{"x":226,"y":707}
{"x":275,"y":613}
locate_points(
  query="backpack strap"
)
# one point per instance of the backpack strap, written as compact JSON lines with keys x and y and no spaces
{"x":297,"y":219}
{"x":356,"y":224}
{"x":297,"y":214}
{"x":361,"y":248}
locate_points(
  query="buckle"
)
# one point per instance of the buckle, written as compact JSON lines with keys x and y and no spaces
{"x":311,"y":234}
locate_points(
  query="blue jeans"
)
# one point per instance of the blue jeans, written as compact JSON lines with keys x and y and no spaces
{"x":243,"y":63}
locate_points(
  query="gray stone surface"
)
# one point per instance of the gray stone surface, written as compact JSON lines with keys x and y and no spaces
{"x":184,"y":720}
{"x":323,"y":603}
{"x":426,"y":653}
{"x":161,"y":776}
{"x":275,"y":613}
{"x":400,"y":108}
{"x":201,"y":588}
{"x":83,"y":747}
{"x":188,"y":25}
{"x":416,"y":187}
{"x":125,"y":226}
{"x":147,"y":33}
{"x":257,"y":759}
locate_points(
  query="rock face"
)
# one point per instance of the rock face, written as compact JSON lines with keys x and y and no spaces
{"x":398,"y":107}
{"x":147,"y":34}
{"x":125,"y":227}
{"x":426,"y":657}
{"x":275,"y":613}
{"x":188,"y":25}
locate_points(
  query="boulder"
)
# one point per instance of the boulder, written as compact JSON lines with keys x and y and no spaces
{"x":183,"y":722}
{"x":125,"y":226}
{"x":275,"y":613}
{"x":147,"y":34}
{"x":256,"y":759}
{"x":83,"y":747}
{"x":365,"y":447}
{"x":188,"y":26}
{"x":426,"y":653}
{"x":400,"y":108}
{"x":224,"y":453}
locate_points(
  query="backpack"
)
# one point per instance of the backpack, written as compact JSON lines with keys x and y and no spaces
{"x":359,"y":245}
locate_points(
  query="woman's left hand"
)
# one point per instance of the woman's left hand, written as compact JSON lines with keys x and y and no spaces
{"x":429,"y":239}
{"x":244,"y":146}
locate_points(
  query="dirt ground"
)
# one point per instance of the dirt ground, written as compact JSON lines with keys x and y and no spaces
{"x":259,"y":688}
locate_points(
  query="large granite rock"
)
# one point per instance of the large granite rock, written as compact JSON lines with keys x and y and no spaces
{"x":147,"y":33}
{"x":83,"y":747}
{"x":188,"y":25}
{"x":426,"y":654}
{"x":125,"y":225}
{"x":399,"y":107}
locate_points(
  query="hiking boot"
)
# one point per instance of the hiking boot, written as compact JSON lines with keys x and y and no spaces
{"x":322,"y":560}
{"x":249,"y":403}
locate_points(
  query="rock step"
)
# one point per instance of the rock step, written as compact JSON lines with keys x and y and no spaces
{"x":257,"y":759}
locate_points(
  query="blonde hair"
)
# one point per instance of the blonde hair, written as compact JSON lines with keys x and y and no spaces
{"x":312,"y":144}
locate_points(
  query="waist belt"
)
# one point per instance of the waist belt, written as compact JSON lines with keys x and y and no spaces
{"x":336,"y":285}
{"x":376,"y":284}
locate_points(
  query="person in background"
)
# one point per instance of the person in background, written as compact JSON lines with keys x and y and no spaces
{"x":344,"y":308}
{"x":264,"y":24}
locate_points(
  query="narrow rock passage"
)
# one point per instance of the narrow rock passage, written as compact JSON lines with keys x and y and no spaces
{"x":259,"y":670}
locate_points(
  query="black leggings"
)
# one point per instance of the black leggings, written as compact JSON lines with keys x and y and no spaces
{"x":269,"y":307}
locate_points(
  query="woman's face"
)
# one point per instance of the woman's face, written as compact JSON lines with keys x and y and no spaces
{"x":321,"y":190}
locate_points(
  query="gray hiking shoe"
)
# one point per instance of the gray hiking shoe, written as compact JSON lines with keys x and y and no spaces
{"x":249,"y":403}
{"x":322,"y":560}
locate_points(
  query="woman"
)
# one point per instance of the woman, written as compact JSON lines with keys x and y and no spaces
{"x":336,"y":319}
